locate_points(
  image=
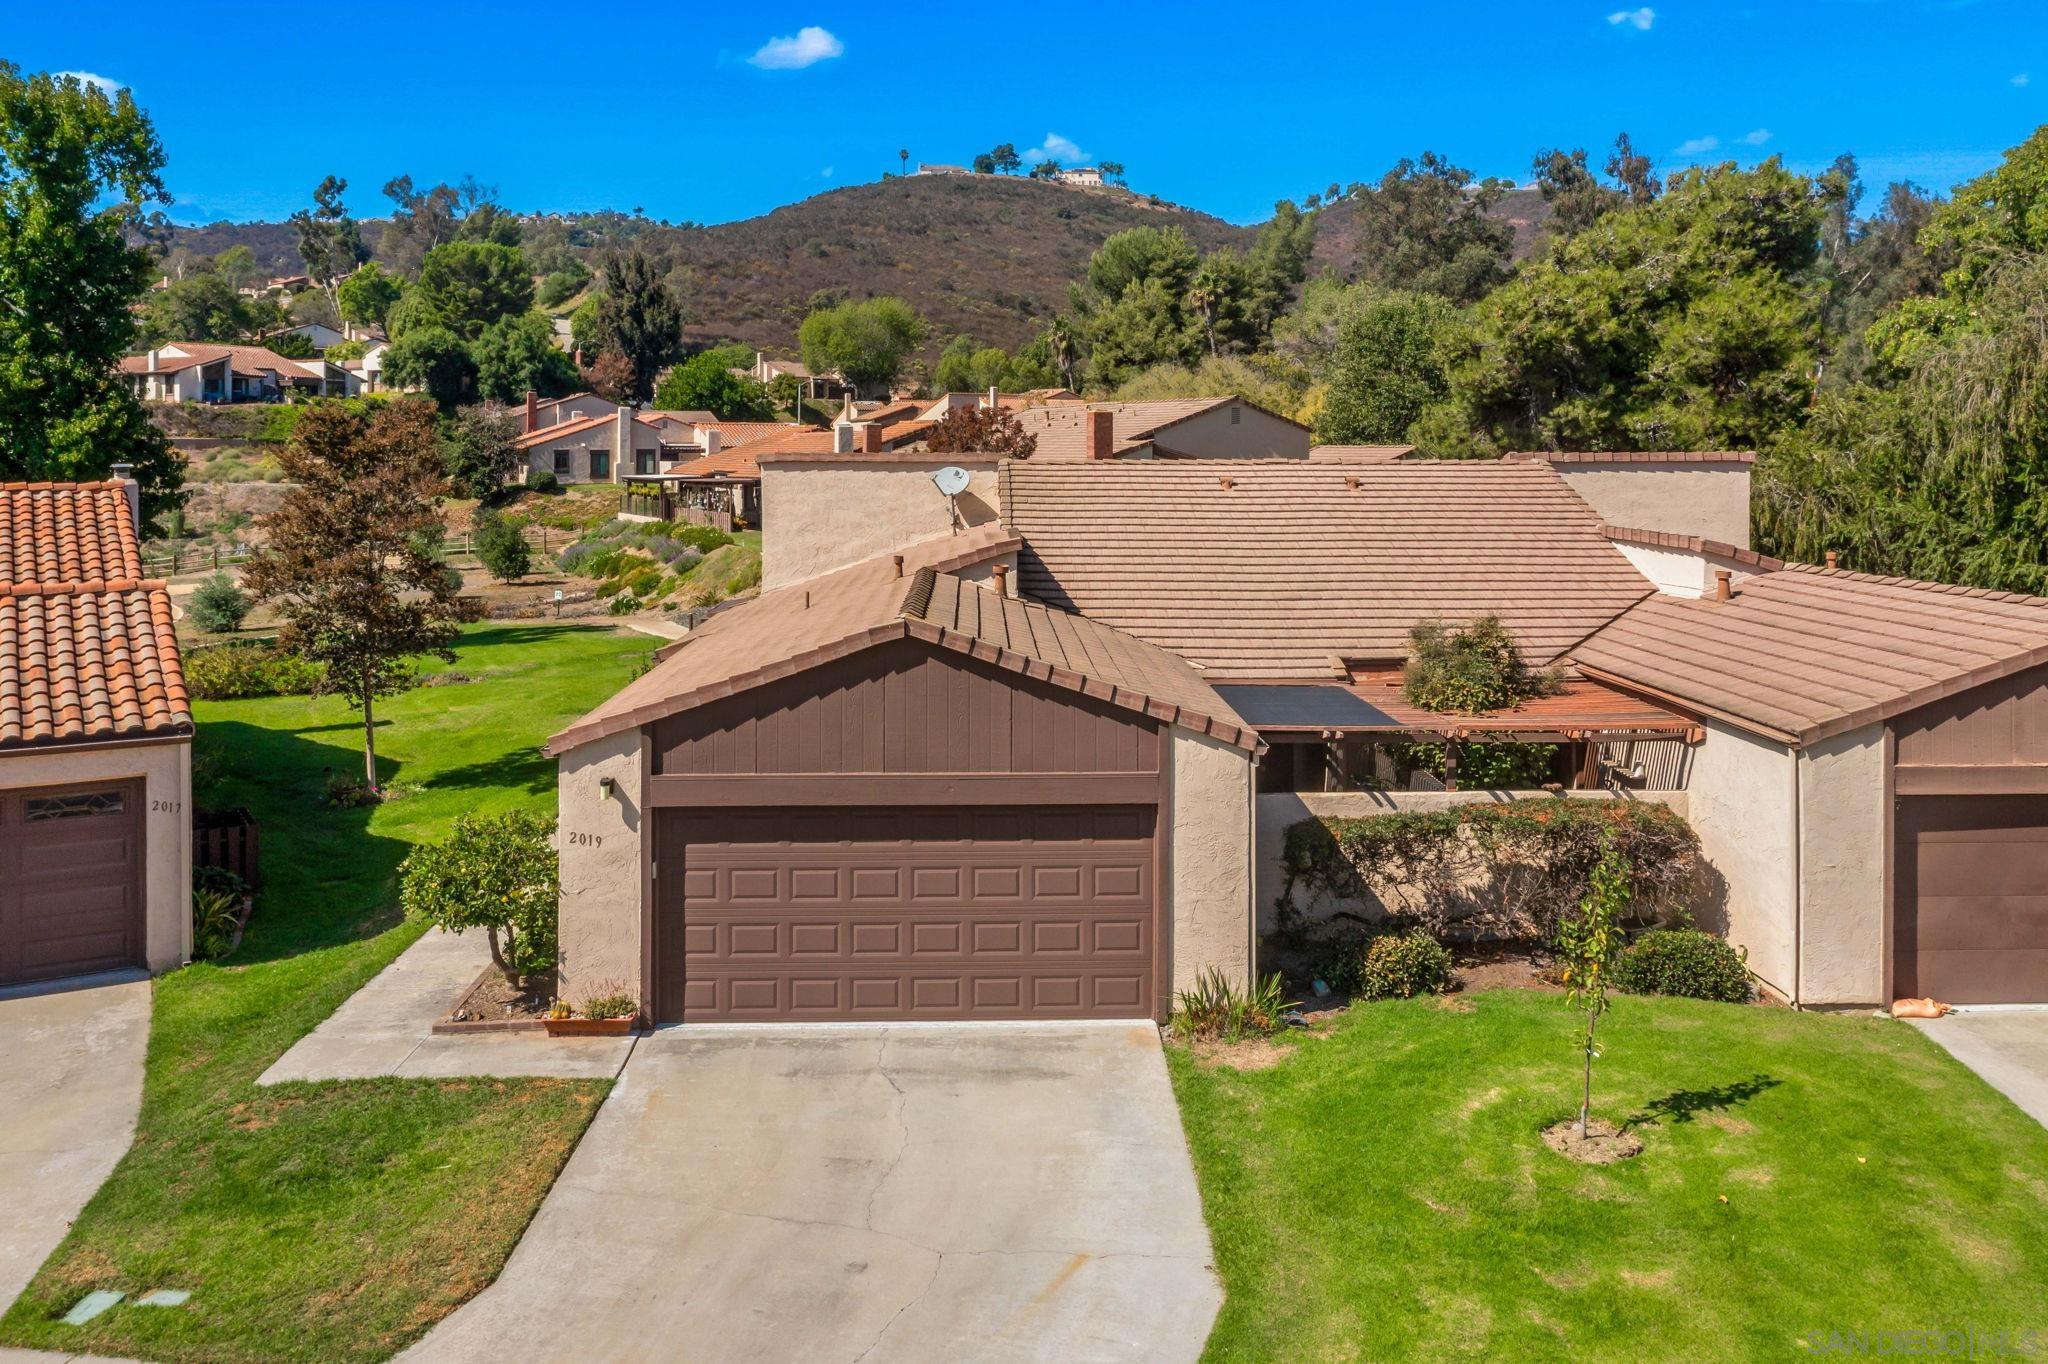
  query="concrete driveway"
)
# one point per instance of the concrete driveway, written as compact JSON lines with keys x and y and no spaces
{"x":70,"y":1087}
{"x":901,"y":1193}
{"x":2008,"y":1047}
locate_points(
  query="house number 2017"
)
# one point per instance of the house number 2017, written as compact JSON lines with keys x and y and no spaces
{"x":587,"y":840}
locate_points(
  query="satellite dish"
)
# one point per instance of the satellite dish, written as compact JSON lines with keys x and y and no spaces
{"x":952,"y":480}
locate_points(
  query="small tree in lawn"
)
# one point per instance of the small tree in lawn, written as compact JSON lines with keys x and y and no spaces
{"x":1588,"y":946}
{"x":349,"y":560}
{"x":497,"y":873}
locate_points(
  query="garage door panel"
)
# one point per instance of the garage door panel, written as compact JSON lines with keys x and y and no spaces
{"x":971,"y":913}
{"x":1972,"y":899}
{"x":71,"y":898}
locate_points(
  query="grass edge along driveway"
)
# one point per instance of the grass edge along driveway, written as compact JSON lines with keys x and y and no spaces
{"x":1383,"y":1193}
{"x":332,"y":1221}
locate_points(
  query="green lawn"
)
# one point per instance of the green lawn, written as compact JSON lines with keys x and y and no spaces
{"x":336,"y":1221}
{"x":1382,"y":1193}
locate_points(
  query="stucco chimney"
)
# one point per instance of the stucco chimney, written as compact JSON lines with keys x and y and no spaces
{"x":124,"y":474}
{"x":1722,"y":591}
{"x":1100,"y":428}
{"x":707,"y":436}
{"x":992,"y":396}
{"x":532,"y":413}
{"x":1831,"y":558}
{"x":870,"y":439}
{"x":622,"y":441}
{"x":842,"y":439}
{"x":152,"y":359}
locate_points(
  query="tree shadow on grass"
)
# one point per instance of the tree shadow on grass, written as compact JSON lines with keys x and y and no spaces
{"x":1682,"y":1105}
{"x":526,"y":769}
{"x":325,"y":876}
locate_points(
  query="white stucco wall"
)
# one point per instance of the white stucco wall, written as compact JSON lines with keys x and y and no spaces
{"x":1682,"y":572}
{"x":1710,"y":500}
{"x":1280,"y":810}
{"x":165,"y":771}
{"x":1211,"y":859}
{"x":1842,"y":869}
{"x":1741,"y":804}
{"x":816,"y":517}
{"x":599,"y":842}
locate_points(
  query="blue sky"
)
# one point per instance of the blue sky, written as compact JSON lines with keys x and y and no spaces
{"x":720,"y":112}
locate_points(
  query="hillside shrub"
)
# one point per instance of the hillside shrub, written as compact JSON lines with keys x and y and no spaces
{"x":1683,"y":961}
{"x":229,"y":672}
{"x":218,"y":606}
{"x":542,"y":481}
{"x":1515,"y":868}
{"x":1403,"y":965}
{"x":500,"y":547}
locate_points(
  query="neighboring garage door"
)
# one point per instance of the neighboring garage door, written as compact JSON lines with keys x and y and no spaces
{"x":964,"y":913}
{"x":70,"y":881}
{"x":1972,"y":896}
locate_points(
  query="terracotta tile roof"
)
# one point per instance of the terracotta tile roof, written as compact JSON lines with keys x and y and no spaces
{"x":543,"y":435}
{"x":1360,"y":454}
{"x":1634,"y":456}
{"x":88,"y":650}
{"x":793,"y":628}
{"x":1805,"y":653}
{"x":1296,"y":562}
{"x":743,"y":461}
{"x":743,"y":433}
{"x":1697,"y":544}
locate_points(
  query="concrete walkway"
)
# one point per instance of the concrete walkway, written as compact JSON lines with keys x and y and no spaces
{"x":386,"y":1028}
{"x":889,"y":1193}
{"x":70,"y":1087}
{"x":2008,"y":1047}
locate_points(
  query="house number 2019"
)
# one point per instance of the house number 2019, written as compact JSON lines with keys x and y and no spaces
{"x":587,"y":840}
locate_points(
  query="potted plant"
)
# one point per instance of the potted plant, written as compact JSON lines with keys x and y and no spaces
{"x":609,"y":1013}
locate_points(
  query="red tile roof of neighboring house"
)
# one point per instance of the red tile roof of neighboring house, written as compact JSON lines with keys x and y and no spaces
{"x":1360,"y":454}
{"x":1803,"y":653}
{"x":247,"y":361}
{"x":1634,"y":456}
{"x":742,"y":461}
{"x":88,"y":651}
{"x":797,"y":627}
{"x":542,"y":435}
{"x":1273,"y":568}
{"x":743,"y":433}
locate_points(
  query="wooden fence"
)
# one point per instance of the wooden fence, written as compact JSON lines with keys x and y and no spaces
{"x":227,"y":838}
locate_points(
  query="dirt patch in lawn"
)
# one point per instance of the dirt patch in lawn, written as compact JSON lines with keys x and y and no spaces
{"x":1603,"y":1144}
{"x":1503,"y":966}
{"x":491,"y":999}
{"x":1250,"y":1053}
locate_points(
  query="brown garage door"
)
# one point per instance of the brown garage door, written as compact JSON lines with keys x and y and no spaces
{"x":1972,"y":893}
{"x":962,"y":913}
{"x":70,"y":881}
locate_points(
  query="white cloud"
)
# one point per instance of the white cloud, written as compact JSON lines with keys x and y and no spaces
{"x":1756,"y":137}
{"x":809,"y":46}
{"x":1694,"y":146}
{"x":2020,"y":79}
{"x":111,"y":87}
{"x":1061,"y":149}
{"x":825,"y":174}
{"x":1640,"y":19}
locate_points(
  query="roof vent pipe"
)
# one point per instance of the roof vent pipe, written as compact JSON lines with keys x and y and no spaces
{"x":1831,"y":558}
{"x":1227,"y":482}
{"x":1722,"y":592}
{"x":898,"y":559}
{"x":1002,"y":572}
{"x":1351,"y":482}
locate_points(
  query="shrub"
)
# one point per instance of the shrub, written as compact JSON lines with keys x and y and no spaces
{"x":494,"y":873}
{"x":1683,"y":961}
{"x":703,"y":539}
{"x":1215,"y":1008}
{"x":348,"y":793}
{"x":218,"y":607}
{"x":625,"y":604}
{"x":229,"y":672}
{"x":220,"y":879}
{"x":542,"y":481}
{"x":216,"y":915}
{"x":1498,"y":767}
{"x":1334,"y":952}
{"x":1474,"y":669}
{"x":1401,"y":966}
{"x":502,"y":549}
{"x":1517,"y":868}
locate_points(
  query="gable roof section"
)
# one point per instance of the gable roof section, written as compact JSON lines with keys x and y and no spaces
{"x":1061,"y":427}
{"x":1804,"y":653}
{"x":742,"y":461}
{"x":541,"y":435}
{"x":88,"y":651}
{"x":1297,"y":563}
{"x":793,"y":628}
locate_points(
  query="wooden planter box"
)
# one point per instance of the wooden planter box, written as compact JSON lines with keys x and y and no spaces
{"x":588,"y":1027}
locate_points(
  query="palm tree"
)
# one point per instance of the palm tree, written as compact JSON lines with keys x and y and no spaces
{"x":903,"y":155}
{"x":1205,"y":292}
{"x":1059,"y":343}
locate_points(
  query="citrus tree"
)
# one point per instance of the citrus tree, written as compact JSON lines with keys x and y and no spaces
{"x":497,"y":873}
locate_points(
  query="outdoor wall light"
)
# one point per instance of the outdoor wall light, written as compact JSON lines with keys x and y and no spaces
{"x":607,"y":785}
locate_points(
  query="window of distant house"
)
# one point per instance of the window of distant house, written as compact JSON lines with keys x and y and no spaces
{"x":643,"y":461}
{"x":561,"y":464}
{"x":600,"y":464}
